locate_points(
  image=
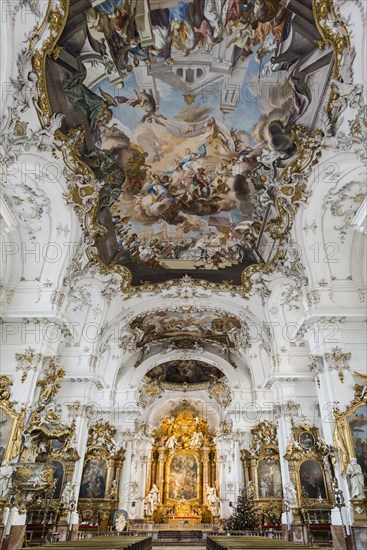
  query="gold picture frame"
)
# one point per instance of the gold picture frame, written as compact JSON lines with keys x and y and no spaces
{"x":300,"y":486}
{"x":168,"y":474}
{"x":11,"y":424}
{"x":343,"y":437}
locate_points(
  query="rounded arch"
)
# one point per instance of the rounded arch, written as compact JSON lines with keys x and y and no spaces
{"x":233,"y":375}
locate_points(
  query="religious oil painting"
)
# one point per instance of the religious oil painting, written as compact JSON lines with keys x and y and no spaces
{"x":269,"y":479}
{"x":58,"y":477}
{"x":190,"y":323}
{"x":183,"y":477}
{"x":312,"y":480}
{"x":186,"y":111}
{"x":360,"y":538}
{"x":306,"y":440}
{"x":6,"y":427}
{"x":93,"y":484}
{"x":185,"y":371}
{"x":358,"y":426}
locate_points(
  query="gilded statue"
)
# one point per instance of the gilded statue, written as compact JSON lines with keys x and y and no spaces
{"x":50,"y":386}
{"x":185,"y":431}
{"x":5,"y":382}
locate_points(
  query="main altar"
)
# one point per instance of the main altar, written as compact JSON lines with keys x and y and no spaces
{"x":182,"y":480}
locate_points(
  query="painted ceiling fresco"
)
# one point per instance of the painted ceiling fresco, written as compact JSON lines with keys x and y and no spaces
{"x":188,"y":110}
{"x":184,"y":371}
{"x":164,"y":325}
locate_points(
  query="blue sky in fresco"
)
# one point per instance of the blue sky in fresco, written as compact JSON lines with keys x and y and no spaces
{"x":172,"y":101}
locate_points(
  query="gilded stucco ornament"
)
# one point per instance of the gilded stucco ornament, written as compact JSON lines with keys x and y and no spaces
{"x":101,"y":442}
{"x":221,"y":393}
{"x":284,"y":182}
{"x":316,"y":367}
{"x":339,"y":361}
{"x":148,"y":393}
{"x":183,"y":431}
{"x":5,"y":384}
{"x":27,"y":361}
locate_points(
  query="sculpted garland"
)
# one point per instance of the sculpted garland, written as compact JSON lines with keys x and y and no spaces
{"x":190,"y":128}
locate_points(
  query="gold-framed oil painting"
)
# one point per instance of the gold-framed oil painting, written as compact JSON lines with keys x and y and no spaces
{"x":9,"y":427}
{"x":93,"y":483}
{"x":358,"y":429}
{"x":58,"y":477}
{"x":269,"y":478}
{"x":183,"y":476}
{"x":312,"y":480}
{"x":350,"y":429}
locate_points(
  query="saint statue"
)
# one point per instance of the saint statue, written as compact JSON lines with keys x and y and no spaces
{"x":151,"y":501}
{"x":212,"y":500}
{"x":290,"y":495}
{"x":6,"y":471}
{"x":66,"y":495}
{"x":356,"y":479}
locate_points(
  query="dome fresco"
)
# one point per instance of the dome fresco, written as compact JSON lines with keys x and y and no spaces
{"x":181,"y":371}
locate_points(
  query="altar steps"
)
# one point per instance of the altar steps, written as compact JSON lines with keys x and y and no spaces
{"x":183,"y":538}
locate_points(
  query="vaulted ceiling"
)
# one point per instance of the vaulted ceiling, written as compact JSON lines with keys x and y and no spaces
{"x":72,"y":286}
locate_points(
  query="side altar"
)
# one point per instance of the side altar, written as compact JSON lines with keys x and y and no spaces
{"x":182,"y":481}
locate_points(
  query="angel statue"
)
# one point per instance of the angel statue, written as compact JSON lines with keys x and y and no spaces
{"x":171,"y":443}
{"x":356,"y":479}
{"x":196,"y":439}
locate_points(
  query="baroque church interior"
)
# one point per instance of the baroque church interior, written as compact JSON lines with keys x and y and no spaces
{"x":183,"y":223}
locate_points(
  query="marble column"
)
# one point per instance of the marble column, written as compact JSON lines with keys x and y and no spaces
{"x":17,"y":529}
{"x":160,"y":475}
{"x":125,"y":479}
{"x":334,"y":385}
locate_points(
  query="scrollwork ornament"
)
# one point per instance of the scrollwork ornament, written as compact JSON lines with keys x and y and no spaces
{"x":316,"y":366}
{"x":339,"y":361}
{"x":5,"y":384}
{"x":27,"y":361}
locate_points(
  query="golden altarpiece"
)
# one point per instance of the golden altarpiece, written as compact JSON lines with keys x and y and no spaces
{"x":184,"y":470}
{"x":262,"y":470}
{"x":311,"y":465}
{"x":10,"y":440}
{"x":98,"y":494}
{"x":38,"y":456}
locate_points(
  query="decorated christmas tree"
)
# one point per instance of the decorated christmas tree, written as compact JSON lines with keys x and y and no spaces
{"x":244,"y":515}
